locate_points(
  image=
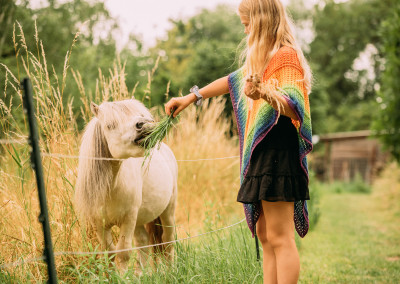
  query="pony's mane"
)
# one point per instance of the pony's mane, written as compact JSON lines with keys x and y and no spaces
{"x":95,"y":177}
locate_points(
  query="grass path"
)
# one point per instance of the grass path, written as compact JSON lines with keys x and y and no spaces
{"x":357,"y":239}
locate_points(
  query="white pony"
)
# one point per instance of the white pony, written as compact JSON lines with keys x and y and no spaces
{"x":123,"y":193}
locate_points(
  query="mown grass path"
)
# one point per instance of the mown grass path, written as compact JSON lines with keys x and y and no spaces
{"x":357,"y":239}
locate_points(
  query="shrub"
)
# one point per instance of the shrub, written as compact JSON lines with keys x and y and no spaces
{"x":357,"y":185}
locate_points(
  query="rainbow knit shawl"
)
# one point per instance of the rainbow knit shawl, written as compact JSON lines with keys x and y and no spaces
{"x":254,"y":122}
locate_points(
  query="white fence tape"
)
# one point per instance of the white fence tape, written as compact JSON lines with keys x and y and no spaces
{"x":113,"y":159}
{"x":13,"y":141}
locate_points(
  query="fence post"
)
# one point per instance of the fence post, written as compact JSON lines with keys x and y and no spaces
{"x":36,"y":164}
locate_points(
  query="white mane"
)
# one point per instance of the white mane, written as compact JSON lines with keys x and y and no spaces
{"x":94,"y":176}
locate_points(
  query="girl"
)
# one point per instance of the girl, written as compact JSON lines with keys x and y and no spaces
{"x":270,"y":98}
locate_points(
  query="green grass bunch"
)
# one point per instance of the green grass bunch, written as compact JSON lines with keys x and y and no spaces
{"x":156,"y":134}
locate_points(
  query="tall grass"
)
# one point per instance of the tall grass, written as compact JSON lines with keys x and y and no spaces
{"x":217,"y":258}
{"x":206,"y":189}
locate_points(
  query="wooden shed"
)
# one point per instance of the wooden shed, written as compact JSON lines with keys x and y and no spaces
{"x":348,"y":154}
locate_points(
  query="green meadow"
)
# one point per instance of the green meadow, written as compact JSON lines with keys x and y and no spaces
{"x":356,"y":240}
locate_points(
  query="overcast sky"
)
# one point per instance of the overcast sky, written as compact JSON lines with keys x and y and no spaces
{"x":149,"y":18}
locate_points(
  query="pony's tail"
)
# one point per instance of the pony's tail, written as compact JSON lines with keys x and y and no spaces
{"x":155,"y":231}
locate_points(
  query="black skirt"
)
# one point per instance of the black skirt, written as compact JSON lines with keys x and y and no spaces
{"x":275,"y":173}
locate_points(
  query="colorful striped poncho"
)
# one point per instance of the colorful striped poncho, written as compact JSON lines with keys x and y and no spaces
{"x":256,"y":118}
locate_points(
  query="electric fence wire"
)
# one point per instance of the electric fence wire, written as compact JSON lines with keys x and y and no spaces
{"x":55,"y":155}
{"x":83,"y":253}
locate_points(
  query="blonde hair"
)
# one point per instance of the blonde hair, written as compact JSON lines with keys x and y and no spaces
{"x":269,"y":30}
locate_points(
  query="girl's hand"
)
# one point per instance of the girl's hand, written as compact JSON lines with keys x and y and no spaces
{"x":176,"y":105}
{"x":252,"y":87}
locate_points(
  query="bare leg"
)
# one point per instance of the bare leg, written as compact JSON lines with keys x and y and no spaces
{"x":269,"y":260}
{"x":280,"y":235}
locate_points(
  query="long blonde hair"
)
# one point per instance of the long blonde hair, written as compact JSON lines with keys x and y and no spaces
{"x":270,"y":29}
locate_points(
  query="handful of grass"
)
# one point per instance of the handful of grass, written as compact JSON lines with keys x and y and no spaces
{"x":156,"y":134}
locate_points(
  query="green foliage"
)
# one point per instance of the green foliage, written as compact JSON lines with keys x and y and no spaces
{"x":204,"y":47}
{"x":388,"y":119}
{"x":57,"y":27}
{"x":355,"y":186}
{"x":57,"y":38}
{"x":197,"y":51}
{"x":343,"y":96}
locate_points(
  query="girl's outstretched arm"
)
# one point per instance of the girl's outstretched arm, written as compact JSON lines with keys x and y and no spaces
{"x":216,"y":88}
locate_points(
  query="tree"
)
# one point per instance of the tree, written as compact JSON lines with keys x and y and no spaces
{"x":197,"y":51}
{"x":7,"y":10}
{"x":56,"y":26}
{"x":343,"y":97}
{"x":388,"y":119}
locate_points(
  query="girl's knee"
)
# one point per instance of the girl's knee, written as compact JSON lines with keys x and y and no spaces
{"x":261,"y":234}
{"x":278,"y":240}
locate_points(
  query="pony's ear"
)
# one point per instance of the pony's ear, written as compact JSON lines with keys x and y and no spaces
{"x":94,"y":108}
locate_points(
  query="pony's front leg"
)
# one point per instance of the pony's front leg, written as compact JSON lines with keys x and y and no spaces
{"x":125,"y":242}
{"x":142,"y":239}
{"x":168,"y":223}
{"x":104,"y":236}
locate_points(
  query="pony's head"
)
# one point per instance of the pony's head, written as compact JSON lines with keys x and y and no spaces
{"x":123,"y":124}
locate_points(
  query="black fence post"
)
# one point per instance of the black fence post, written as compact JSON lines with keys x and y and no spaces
{"x":36,"y":163}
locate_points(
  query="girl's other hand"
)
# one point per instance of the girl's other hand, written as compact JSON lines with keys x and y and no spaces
{"x":176,"y":105}
{"x":252,"y":87}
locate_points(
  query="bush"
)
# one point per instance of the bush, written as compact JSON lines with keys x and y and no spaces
{"x":355,"y":186}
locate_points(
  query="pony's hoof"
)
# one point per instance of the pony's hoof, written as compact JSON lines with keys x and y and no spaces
{"x":138,"y":272}
{"x":122,"y":268}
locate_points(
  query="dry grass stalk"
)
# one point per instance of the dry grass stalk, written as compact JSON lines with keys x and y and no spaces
{"x":206,"y":189}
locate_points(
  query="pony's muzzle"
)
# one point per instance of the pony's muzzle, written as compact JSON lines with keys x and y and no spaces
{"x":143,"y":128}
{"x":143,"y":123}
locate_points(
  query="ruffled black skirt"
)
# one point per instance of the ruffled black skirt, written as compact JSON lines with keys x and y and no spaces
{"x":275,"y":173}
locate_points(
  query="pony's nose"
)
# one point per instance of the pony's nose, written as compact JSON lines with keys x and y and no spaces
{"x":142,"y":124}
{"x":139,"y":125}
